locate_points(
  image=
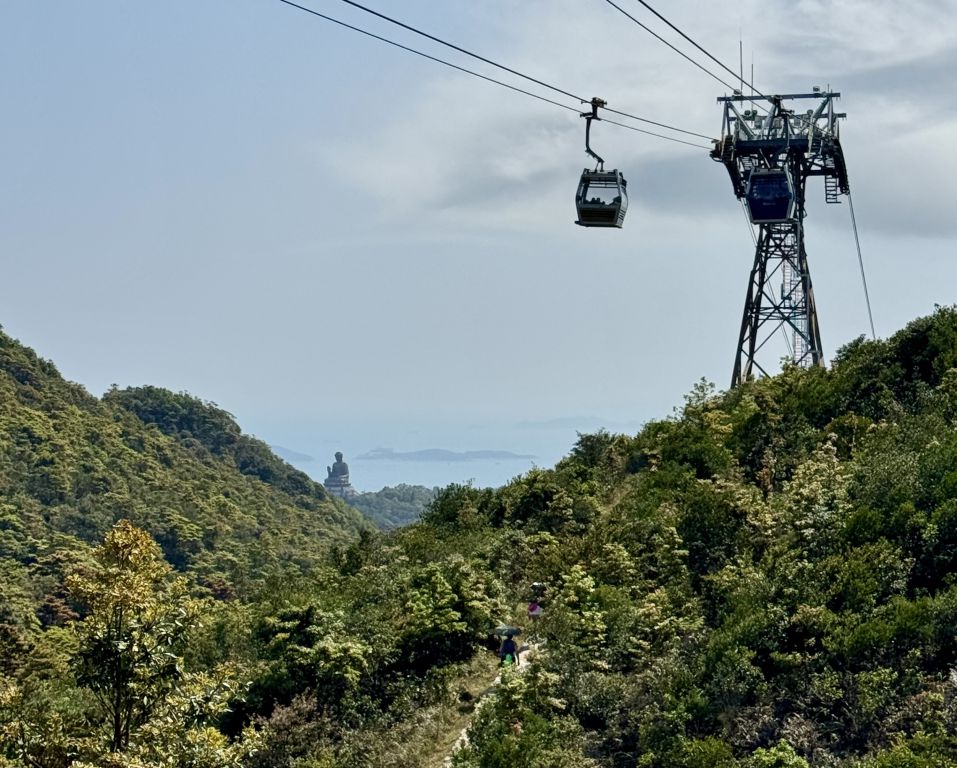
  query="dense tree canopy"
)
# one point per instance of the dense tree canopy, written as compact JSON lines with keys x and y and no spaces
{"x":218,"y":502}
{"x":394,"y":507}
{"x":763,"y":580}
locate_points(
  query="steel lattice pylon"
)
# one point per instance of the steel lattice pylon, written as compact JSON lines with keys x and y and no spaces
{"x":793,"y":147}
{"x":780,"y":252}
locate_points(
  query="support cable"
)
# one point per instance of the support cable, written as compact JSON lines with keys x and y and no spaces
{"x":461,"y":50}
{"x":652,"y":133}
{"x":705,"y":52}
{"x":860,"y":260}
{"x":492,"y":80}
{"x":425,"y":55}
{"x":786,"y":330}
{"x":515,"y":72}
{"x":672,"y":47}
{"x":747,"y":219}
{"x":652,"y":122}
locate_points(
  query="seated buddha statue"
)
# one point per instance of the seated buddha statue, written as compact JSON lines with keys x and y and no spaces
{"x":338,"y":472}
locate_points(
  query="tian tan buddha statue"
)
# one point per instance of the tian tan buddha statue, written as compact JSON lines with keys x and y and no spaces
{"x":337,"y":480}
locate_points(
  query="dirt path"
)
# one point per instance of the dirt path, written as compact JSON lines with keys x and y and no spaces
{"x":528,"y":653}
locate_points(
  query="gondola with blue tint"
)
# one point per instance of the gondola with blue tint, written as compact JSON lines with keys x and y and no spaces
{"x":602,"y":197}
{"x":770,"y":196}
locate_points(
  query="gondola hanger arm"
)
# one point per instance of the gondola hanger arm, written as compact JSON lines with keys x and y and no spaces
{"x":596,"y":103}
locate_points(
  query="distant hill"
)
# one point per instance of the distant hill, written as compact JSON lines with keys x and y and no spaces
{"x":219,"y":502}
{"x":189,"y":419}
{"x":394,"y":507}
{"x":440,"y":454}
{"x":290,"y":455}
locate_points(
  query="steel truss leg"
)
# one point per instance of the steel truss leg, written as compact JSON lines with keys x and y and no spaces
{"x":779,"y":258}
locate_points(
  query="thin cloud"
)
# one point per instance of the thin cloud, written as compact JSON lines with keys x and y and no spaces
{"x":468,"y":152}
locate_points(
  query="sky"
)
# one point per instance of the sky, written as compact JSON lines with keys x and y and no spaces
{"x":350,"y":248}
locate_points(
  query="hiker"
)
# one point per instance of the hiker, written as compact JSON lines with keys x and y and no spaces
{"x":508,"y":653}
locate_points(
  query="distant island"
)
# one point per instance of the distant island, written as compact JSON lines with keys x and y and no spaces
{"x":290,"y":455}
{"x":440,"y":454}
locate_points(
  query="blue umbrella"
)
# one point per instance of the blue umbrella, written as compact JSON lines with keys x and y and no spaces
{"x":505,"y":629}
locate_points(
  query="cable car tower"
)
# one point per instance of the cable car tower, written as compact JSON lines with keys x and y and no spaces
{"x":769,"y":158}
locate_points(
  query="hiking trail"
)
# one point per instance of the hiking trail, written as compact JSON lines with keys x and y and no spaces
{"x":529,"y":651}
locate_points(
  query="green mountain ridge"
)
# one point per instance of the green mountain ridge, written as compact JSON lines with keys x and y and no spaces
{"x":72,"y":465}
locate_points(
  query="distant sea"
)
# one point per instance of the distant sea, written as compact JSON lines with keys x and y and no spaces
{"x":488,"y":457}
{"x":373,"y":474}
{"x":376,"y":474}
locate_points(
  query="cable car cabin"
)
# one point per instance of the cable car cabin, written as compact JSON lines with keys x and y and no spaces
{"x":770,"y":196}
{"x":601,"y":199}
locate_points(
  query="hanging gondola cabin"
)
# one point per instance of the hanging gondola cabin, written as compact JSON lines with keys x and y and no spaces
{"x":601,"y":199}
{"x":770,"y":196}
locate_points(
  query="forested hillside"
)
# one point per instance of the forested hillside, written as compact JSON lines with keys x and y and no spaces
{"x":766,"y":579}
{"x":393,"y":507}
{"x":218,"y":502}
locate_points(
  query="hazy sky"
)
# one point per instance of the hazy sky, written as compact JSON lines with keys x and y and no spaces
{"x":348,"y":246}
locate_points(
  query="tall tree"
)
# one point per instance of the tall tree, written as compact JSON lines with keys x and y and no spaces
{"x":132,"y":638}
